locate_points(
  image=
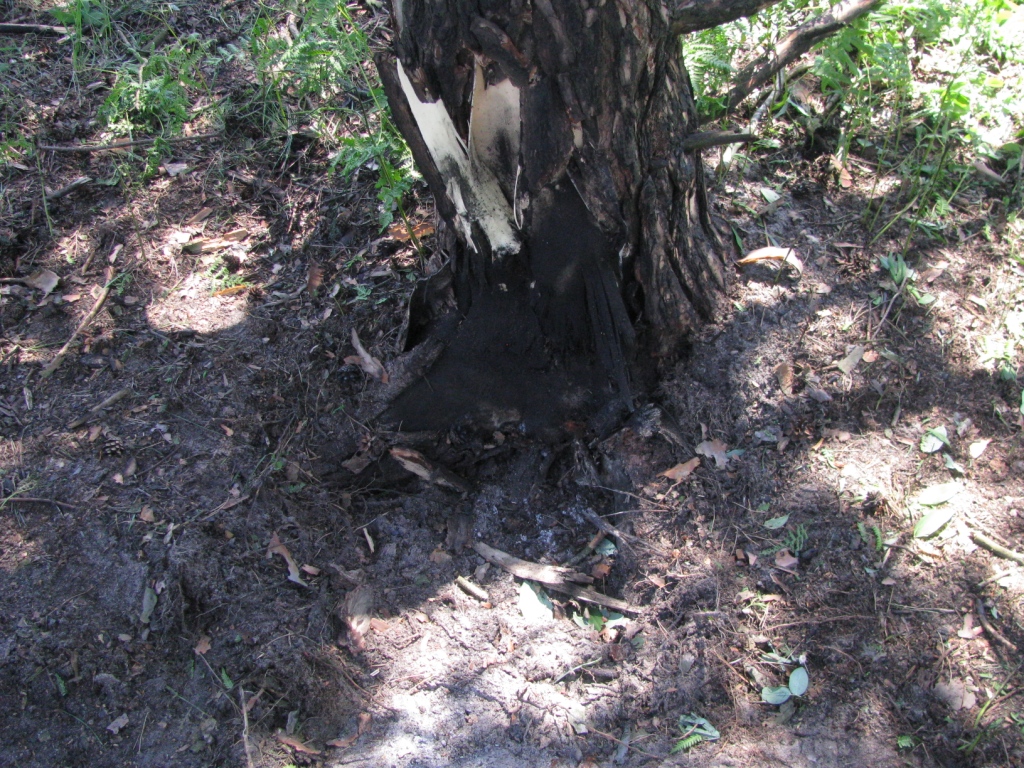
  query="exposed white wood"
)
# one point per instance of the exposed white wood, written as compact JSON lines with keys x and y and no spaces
{"x":494,"y":128}
{"x":472,"y":187}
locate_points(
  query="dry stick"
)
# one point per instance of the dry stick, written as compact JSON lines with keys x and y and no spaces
{"x":472,"y":589}
{"x":979,"y":608}
{"x":99,"y":407}
{"x":54,"y":364}
{"x":37,"y":500}
{"x":997,"y":549}
{"x":245,"y":727}
{"x":127,"y":143}
{"x":553,"y":576}
{"x":32,"y":29}
{"x":797,"y":43}
{"x":996,"y":577}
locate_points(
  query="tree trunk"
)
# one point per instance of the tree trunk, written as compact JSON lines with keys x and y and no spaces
{"x":551,"y":134}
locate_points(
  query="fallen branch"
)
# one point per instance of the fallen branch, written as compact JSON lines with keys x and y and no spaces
{"x":33,"y":29}
{"x":707,"y":139}
{"x":37,"y":500}
{"x":419,"y":465}
{"x":99,"y":407}
{"x":996,"y":577}
{"x":66,"y":190}
{"x":996,"y":549}
{"x":554,"y":576}
{"x":472,"y":589}
{"x":794,"y":45}
{"x":127,"y":143}
{"x":54,"y":364}
{"x":992,"y":632}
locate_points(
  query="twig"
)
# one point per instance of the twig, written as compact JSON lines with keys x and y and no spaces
{"x":996,"y":549}
{"x":798,"y":42}
{"x":37,"y":500}
{"x":121,"y":393}
{"x":979,"y":608}
{"x":127,"y":143}
{"x":472,"y":589}
{"x":556,"y":577}
{"x":245,"y":727}
{"x":32,"y":29}
{"x":54,"y":364}
{"x":996,"y":577}
{"x":708,"y":139}
{"x":848,"y":617}
{"x":66,"y":190}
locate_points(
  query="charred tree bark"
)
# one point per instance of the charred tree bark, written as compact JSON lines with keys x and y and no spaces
{"x":553,"y":134}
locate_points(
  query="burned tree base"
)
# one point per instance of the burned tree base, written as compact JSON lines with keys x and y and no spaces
{"x":497,"y":369}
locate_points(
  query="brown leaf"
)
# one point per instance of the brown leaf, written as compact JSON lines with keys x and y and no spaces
{"x":130,"y":468}
{"x":379,"y":626}
{"x":277,"y":548}
{"x":601,"y":570}
{"x":681,"y":471}
{"x":297,"y":745}
{"x":400,"y":232}
{"x":784,"y":374}
{"x":870,"y":356}
{"x":44,"y":280}
{"x":232,"y":290}
{"x":364,"y":360}
{"x":439,"y":556}
{"x":203,"y":645}
{"x":312,"y":570}
{"x":617,"y":652}
{"x":714,"y":449}
{"x":785,"y":560}
{"x":314,"y":277}
{"x":343,"y":743}
{"x":357,"y":463}
{"x":358,"y":605}
{"x":146,"y":515}
{"x":94,"y":431}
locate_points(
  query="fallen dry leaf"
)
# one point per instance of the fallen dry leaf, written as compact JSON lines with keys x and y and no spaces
{"x":199,"y":217}
{"x":203,"y":645}
{"x":601,"y":570}
{"x":44,"y":280}
{"x":314,"y":277}
{"x":785,"y":560}
{"x":848,"y":363}
{"x":232,"y":290}
{"x":681,"y":471}
{"x":955,"y":695}
{"x":977,"y":448}
{"x":118,"y":724}
{"x":714,"y":449}
{"x":295,"y":744}
{"x":364,"y":360}
{"x":439,"y":556}
{"x":784,"y":374}
{"x":400,"y":232}
{"x":146,"y":515}
{"x":277,"y":548}
{"x":870,"y":356}
{"x":358,"y":605}
{"x":785,"y":255}
{"x":617,"y":651}
{"x":357,"y":463}
{"x":312,"y":570}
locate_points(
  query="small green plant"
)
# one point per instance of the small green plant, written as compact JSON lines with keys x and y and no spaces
{"x":695,"y":730}
{"x":906,"y":741}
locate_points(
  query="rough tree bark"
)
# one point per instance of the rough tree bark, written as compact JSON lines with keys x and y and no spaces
{"x":557,"y":137}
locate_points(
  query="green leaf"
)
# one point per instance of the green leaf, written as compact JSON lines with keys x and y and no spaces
{"x":936,"y":495}
{"x":775,"y":523}
{"x":798,"y":681}
{"x":606,"y":547}
{"x":934,"y":439}
{"x":226,"y":681}
{"x":691,"y":723}
{"x":931,"y":523}
{"x":148,"y":605}
{"x":776,"y":695}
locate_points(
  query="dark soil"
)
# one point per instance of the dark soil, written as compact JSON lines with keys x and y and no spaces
{"x":144,"y":619}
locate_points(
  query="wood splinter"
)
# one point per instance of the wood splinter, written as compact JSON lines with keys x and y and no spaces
{"x":996,"y":549}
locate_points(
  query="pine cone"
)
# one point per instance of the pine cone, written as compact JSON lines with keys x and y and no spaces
{"x":112,"y":444}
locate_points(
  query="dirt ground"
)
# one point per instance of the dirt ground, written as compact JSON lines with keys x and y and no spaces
{"x":225,"y":566}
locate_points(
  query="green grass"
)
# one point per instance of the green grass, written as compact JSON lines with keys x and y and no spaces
{"x":922,"y":88}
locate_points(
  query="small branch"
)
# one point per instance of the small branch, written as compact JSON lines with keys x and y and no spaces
{"x":992,"y":632}
{"x":996,"y":549}
{"x":54,"y":364}
{"x":127,"y":143}
{"x":553,"y":576}
{"x":99,"y":407}
{"x":33,"y":29}
{"x":37,"y":500}
{"x":794,"y":45}
{"x":995,"y":577}
{"x":707,"y":139}
{"x":64,"y":191}
{"x":472,"y":589}
{"x":691,"y":16}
